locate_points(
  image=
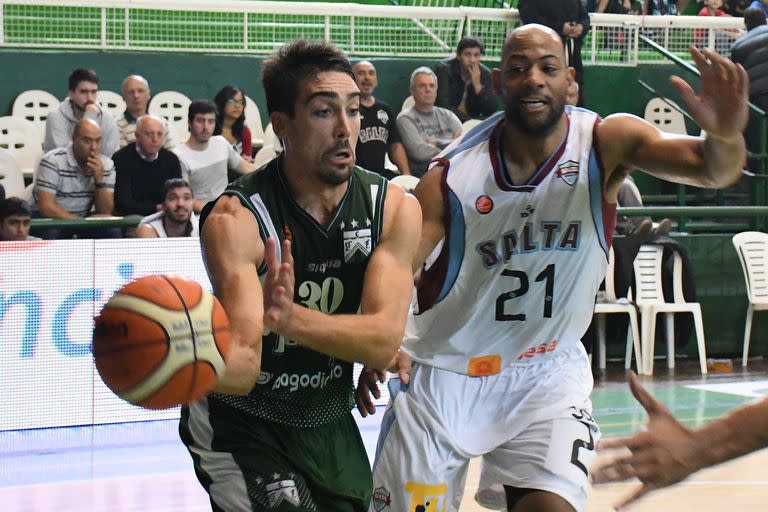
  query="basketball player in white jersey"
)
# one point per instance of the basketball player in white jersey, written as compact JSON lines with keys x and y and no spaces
{"x":522,"y":213}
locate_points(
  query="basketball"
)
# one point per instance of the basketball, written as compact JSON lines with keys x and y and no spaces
{"x":160,"y":341}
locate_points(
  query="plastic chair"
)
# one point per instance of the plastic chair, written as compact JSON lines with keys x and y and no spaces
{"x":406,"y":181}
{"x":469,"y":124}
{"x":174,"y":107}
{"x":34,"y":106}
{"x":666,"y":118}
{"x":22,"y":139}
{"x":111,"y":101}
{"x":253,"y":122}
{"x":270,"y":149}
{"x":408,"y":103}
{"x":650,"y":301}
{"x":608,"y":303}
{"x":11,"y":176}
{"x":752,"y":248}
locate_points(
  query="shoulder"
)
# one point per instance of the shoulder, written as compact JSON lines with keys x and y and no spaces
{"x":165,"y":154}
{"x":445,"y":113}
{"x":125,"y":152}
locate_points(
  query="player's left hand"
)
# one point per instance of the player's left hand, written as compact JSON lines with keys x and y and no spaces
{"x":664,"y":454}
{"x":278,"y":286}
{"x":720,"y":107}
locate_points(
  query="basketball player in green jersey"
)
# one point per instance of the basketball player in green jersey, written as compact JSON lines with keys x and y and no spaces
{"x":311,"y":258}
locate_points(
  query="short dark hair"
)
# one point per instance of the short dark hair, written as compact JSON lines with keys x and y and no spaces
{"x":174,"y":183}
{"x":201,"y":107}
{"x":13,"y":206}
{"x":82,"y":75}
{"x":294,"y":62}
{"x":470,"y":42}
{"x":754,"y":17}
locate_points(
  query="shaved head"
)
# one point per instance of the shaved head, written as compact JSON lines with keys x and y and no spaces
{"x":89,"y":127}
{"x":533,"y":34}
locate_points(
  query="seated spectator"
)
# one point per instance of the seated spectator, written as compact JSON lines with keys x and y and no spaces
{"x":15,"y":218}
{"x":762,"y":5}
{"x":230,"y":120}
{"x":661,"y":7}
{"x":175,"y":218}
{"x":425,"y":129}
{"x":136,"y":95}
{"x":80,"y":104}
{"x":206,"y":158}
{"x":736,"y":7}
{"x":378,"y":129}
{"x":143,"y":167}
{"x":73,"y":180}
{"x":463,"y":84}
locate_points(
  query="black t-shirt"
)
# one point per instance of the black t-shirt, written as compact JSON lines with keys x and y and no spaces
{"x":377,"y":131}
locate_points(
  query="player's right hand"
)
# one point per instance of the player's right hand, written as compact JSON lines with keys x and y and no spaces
{"x":367,"y":386}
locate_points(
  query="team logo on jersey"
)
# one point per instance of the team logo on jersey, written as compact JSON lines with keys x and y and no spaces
{"x":356,"y":241}
{"x":484,"y":204}
{"x":381,"y":499}
{"x":383,"y":117}
{"x":568,"y":172}
{"x":282,"y":490}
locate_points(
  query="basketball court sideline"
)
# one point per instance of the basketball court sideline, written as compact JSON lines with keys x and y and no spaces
{"x":144,"y":466}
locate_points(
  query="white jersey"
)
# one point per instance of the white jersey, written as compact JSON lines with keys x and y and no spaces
{"x":156,"y":221}
{"x":515,"y":279}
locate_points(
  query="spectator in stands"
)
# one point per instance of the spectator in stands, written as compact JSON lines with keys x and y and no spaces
{"x":713,"y":8}
{"x":136,"y":95}
{"x":568,"y":18}
{"x":176,"y":217}
{"x":230,"y":120}
{"x":15,"y":218}
{"x":751,"y":51}
{"x":206,"y":158}
{"x":736,"y":7}
{"x":379,"y":135}
{"x":79,"y":104}
{"x":73,"y":180}
{"x":143,"y":167}
{"x":762,"y":5}
{"x":463,"y":84}
{"x":425,"y":129}
{"x":661,"y":7}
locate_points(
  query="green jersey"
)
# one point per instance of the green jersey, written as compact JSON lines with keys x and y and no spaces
{"x":299,"y":386}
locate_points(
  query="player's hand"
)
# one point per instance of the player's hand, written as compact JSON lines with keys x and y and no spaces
{"x":368,"y":387}
{"x":664,"y":454}
{"x":720,"y":107}
{"x":278,"y":286}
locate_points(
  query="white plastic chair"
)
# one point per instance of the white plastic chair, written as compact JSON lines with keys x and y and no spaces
{"x":111,"y":101}
{"x":34,"y":106}
{"x":253,"y":122}
{"x":270,"y":149}
{"x":406,"y":181}
{"x":752,"y":248}
{"x":661,"y":114}
{"x":174,"y":107}
{"x":11,"y":176}
{"x":608,"y":303}
{"x":22,"y":139}
{"x":650,"y":300}
{"x":408,"y":103}
{"x":469,"y":124}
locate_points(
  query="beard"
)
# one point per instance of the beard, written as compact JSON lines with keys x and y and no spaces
{"x":334,"y":175}
{"x":178,"y":216}
{"x":518,"y":119}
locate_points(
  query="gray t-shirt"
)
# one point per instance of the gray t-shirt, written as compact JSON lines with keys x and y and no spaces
{"x":61,"y":123}
{"x":416,"y":128}
{"x":75,"y":190}
{"x":206,"y":170}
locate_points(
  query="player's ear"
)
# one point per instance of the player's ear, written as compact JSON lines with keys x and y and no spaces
{"x":571,"y":75}
{"x":279,"y":125}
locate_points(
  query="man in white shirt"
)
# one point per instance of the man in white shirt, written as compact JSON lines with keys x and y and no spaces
{"x":206,"y":159}
{"x":176,"y":218}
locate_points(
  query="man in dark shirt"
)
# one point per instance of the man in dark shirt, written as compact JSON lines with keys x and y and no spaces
{"x":143,"y":167}
{"x":568,"y":18}
{"x":751,"y":51}
{"x":463,"y":84}
{"x":378,"y":131}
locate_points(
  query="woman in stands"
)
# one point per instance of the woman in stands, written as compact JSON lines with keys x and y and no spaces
{"x":230,"y":121}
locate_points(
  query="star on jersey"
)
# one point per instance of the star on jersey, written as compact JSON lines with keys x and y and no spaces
{"x":354,"y":223}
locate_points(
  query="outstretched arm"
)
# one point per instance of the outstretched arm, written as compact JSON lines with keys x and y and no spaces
{"x":233,"y":251}
{"x":373,"y":336}
{"x":714,"y":161}
{"x":667,"y":452}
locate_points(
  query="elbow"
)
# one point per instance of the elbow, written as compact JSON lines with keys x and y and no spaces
{"x":386,"y":348}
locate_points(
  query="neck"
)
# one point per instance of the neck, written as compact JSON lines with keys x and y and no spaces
{"x":193,"y":143}
{"x":367,"y":101}
{"x":315,"y":197}
{"x":173,"y":228}
{"x":77,"y":110}
{"x":136,"y":113}
{"x":524,"y":153}
{"x":227,"y":122}
{"x":424,"y":107}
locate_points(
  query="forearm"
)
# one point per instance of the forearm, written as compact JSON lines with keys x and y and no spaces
{"x":416,"y":147}
{"x":371,"y":339}
{"x":54,"y":211}
{"x":723,"y":159}
{"x":398,"y":157}
{"x":104,"y":201}
{"x":742,"y":431}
